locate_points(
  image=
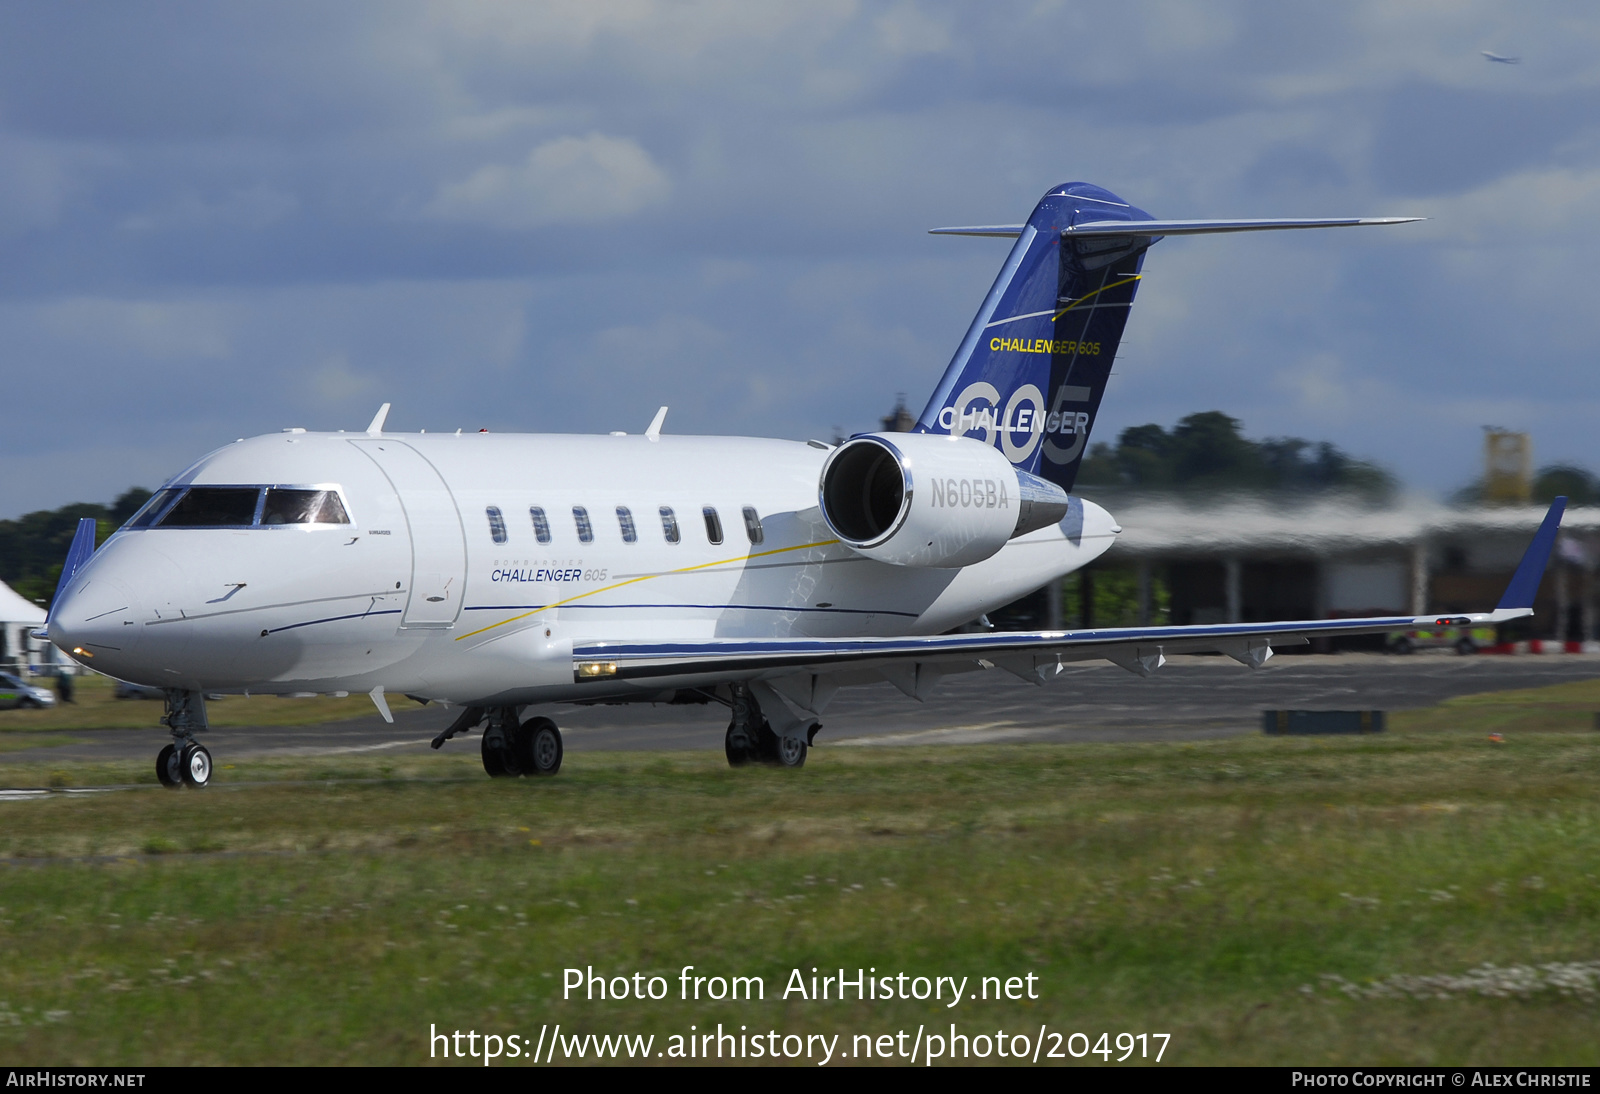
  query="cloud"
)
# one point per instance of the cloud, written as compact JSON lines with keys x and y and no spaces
{"x":334,"y":380}
{"x":908,"y":29}
{"x":569,"y":180}
{"x":253,"y":208}
{"x":151,"y":330}
{"x":1324,"y":387}
{"x":34,"y":187}
{"x":289,"y":215}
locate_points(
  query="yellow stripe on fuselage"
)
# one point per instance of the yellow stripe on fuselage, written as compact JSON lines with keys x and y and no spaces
{"x":647,"y":577}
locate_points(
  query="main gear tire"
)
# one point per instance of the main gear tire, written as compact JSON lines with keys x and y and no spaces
{"x":738,"y":746}
{"x":790,"y":752}
{"x":494,"y":756}
{"x":539,"y":747}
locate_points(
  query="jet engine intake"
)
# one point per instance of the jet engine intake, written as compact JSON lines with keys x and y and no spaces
{"x":914,"y":499}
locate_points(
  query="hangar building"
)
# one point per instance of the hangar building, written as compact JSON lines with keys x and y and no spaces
{"x":1247,"y":560}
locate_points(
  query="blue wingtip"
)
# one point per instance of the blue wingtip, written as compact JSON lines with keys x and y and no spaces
{"x":77,"y":554}
{"x":1530,"y":571}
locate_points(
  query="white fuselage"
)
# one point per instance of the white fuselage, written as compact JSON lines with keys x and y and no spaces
{"x":414,"y":594}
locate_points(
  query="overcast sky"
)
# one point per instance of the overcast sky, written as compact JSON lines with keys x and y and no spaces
{"x":221,"y":220}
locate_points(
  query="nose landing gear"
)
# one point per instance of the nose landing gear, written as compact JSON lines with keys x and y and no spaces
{"x":185,"y":762}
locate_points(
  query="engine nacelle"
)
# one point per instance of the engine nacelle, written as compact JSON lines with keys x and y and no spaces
{"x":917,"y":499}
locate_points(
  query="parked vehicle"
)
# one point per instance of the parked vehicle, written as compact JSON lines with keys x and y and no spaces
{"x":1465,"y":640}
{"x":17,"y":694}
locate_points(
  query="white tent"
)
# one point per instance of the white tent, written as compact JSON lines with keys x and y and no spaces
{"x":17,"y":617}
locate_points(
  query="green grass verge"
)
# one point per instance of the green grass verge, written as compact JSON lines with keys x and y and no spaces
{"x":93,"y":707}
{"x":1243,"y":895}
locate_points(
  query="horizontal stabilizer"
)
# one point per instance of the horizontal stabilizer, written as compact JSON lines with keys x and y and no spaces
{"x":1007,"y":231}
{"x":1530,"y":571}
{"x":1199,"y":227}
{"x":1176,"y":227}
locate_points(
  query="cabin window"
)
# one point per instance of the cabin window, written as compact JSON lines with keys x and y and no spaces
{"x":541,"y":525}
{"x":752,"y":525}
{"x":497,"y":524}
{"x":713,"y":524}
{"x":669,"y":524}
{"x":214,"y":507}
{"x":630,"y":534}
{"x":285,"y":506}
{"x":580,"y":517}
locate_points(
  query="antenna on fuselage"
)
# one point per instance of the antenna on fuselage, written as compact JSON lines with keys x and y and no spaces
{"x":654,"y":432}
{"x":377,"y":421}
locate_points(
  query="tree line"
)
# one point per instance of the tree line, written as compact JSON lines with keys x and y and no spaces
{"x":1207,"y":452}
{"x":33,"y":547}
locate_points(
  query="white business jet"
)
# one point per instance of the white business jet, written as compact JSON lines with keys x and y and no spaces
{"x":495,"y":573}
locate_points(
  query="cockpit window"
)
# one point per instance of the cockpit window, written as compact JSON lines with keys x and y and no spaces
{"x":151,"y":509}
{"x":214,"y":507}
{"x":236,"y":507}
{"x":285,"y":506}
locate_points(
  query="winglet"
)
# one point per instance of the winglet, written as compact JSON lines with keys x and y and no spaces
{"x":1530,"y":571}
{"x":77,"y":554}
{"x":654,"y":432}
{"x":377,"y":421}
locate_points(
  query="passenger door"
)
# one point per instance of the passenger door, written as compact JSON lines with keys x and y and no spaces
{"x":438,"y":544}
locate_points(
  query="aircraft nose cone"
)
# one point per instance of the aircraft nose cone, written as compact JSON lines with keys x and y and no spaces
{"x":98,"y":621}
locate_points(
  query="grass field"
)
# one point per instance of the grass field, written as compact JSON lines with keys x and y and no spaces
{"x":1261,"y":900}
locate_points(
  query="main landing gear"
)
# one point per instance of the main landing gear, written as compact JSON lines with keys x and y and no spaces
{"x":185,"y":762}
{"x":511,"y":748}
{"x":531,"y":748}
{"x":751,"y":738}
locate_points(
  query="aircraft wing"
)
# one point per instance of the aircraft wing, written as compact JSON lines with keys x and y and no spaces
{"x":807,"y":670}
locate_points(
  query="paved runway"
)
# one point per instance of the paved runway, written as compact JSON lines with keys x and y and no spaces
{"x":1189,"y":699}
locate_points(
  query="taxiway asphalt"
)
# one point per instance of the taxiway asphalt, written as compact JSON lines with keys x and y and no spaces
{"x":1189,"y":699}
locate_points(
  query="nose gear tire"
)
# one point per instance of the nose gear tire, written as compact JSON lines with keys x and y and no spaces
{"x":195,"y":764}
{"x":167,"y":769}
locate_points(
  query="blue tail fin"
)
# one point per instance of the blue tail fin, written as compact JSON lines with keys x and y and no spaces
{"x":1030,"y":373}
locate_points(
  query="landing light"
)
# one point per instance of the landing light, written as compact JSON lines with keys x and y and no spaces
{"x":589,"y":670}
{"x":79,"y":651}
